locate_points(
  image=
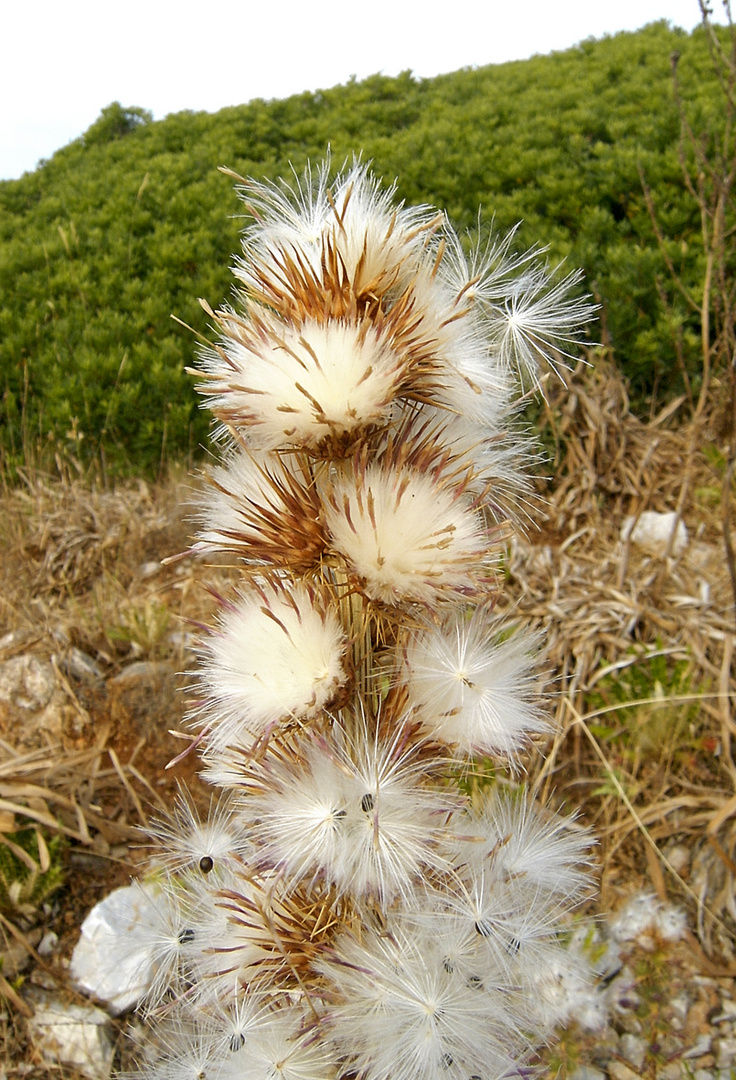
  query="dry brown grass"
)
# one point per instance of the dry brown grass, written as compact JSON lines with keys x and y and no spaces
{"x":656,"y":776}
{"x":84,"y":595}
{"x":81,"y":580}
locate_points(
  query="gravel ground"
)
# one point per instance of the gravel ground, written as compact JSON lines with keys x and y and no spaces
{"x":660,"y":1009}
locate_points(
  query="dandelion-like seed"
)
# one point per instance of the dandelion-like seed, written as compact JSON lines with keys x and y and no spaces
{"x":539,"y":323}
{"x":356,"y":813}
{"x":408,"y":536}
{"x":211,"y":844}
{"x":346,"y":909}
{"x":184,"y":1049}
{"x":401,"y":1014}
{"x":277,"y":654}
{"x":549,"y":851}
{"x":472,"y":691}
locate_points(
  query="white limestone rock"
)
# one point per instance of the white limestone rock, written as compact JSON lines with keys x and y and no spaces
{"x":113,"y":960}
{"x":652,"y":531}
{"x":77,"y":1036}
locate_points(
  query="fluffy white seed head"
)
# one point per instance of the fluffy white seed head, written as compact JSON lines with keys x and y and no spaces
{"x":396,"y":820}
{"x":348,"y":232}
{"x":470,"y":688}
{"x":297,"y":819}
{"x":377,"y":240}
{"x":357,"y":813}
{"x":407,"y":535}
{"x":302,"y":386}
{"x":523,"y":843}
{"x":401,"y":1014}
{"x":277,"y":654}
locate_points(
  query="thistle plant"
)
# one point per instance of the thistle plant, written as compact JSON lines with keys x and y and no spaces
{"x":353,"y":906}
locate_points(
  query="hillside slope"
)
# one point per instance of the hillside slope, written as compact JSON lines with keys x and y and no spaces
{"x":132,"y":222}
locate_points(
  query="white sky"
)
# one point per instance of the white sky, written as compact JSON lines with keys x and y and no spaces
{"x":62,"y":61}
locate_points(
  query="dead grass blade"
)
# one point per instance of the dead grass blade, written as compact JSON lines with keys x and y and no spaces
{"x":658,"y":855}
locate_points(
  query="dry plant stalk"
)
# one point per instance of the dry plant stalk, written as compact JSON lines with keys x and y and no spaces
{"x":707,"y":152}
{"x":348,"y":908}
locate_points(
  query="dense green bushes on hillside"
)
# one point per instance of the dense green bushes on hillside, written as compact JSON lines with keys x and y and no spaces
{"x":132,"y":222}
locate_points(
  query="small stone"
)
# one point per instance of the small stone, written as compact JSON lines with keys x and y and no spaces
{"x":87,"y":860}
{"x":14,"y":960}
{"x":725,"y":1050}
{"x":47,"y":980}
{"x":81,"y":666}
{"x":32,"y":701}
{"x":728,"y":1012}
{"x":100,"y":845}
{"x":15,"y":640}
{"x":618,"y":1071}
{"x":27,"y":682}
{"x":634,"y":1049}
{"x":680,"y":1006}
{"x":48,"y":943}
{"x":653,"y":532}
{"x":631,"y":1023}
{"x":588,"y":1072}
{"x":670,"y":1071}
{"x":703,"y":1074}
{"x":669,"y":1046}
{"x":700,"y":1047}
{"x":73,"y":1035}
{"x":621,"y":993}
